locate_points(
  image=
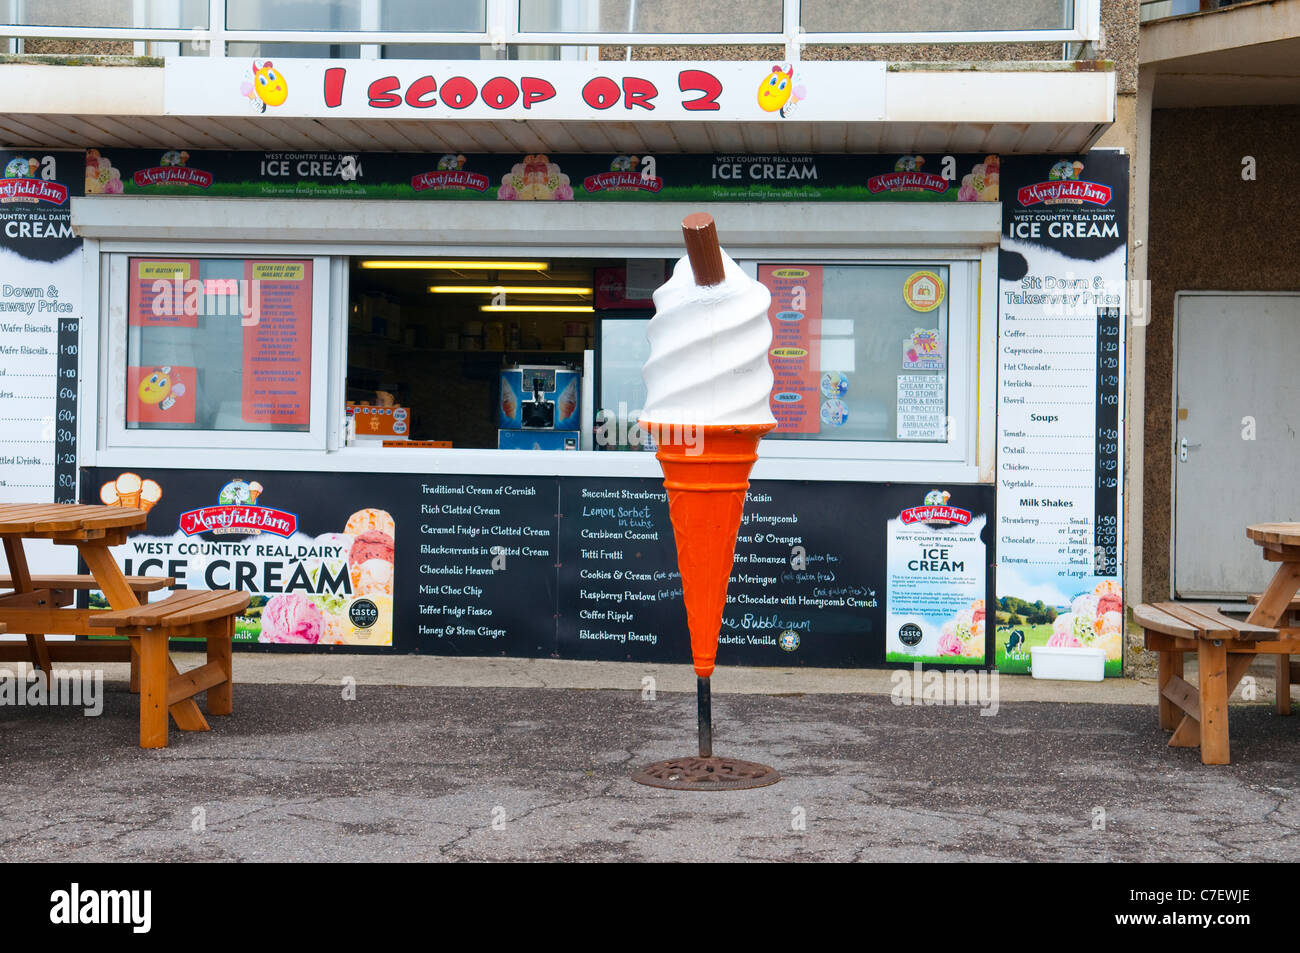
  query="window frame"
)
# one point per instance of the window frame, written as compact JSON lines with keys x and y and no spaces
{"x":114,"y":346}
{"x":974,"y":438}
{"x":963,"y":339}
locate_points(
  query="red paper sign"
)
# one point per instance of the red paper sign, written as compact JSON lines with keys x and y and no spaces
{"x":277,"y":343}
{"x":796,"y":314}
{"x":165,"y":293}
{"x":160,"y":395}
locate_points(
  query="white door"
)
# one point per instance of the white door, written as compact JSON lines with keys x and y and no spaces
{"x":1236,"y":435}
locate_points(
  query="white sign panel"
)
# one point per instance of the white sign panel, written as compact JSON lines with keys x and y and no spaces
{"x":473,"y":90}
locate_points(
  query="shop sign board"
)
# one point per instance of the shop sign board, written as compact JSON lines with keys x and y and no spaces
{"x":461,"y":90}
{"x":622,"y":177}
{"x":1062,"y":303}
{"x":41,"y":307}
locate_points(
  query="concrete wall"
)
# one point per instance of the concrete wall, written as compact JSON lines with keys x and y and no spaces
{"x":1209,"y":230}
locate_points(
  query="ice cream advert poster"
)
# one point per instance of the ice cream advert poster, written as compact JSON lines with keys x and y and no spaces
{"x":468,"y":176}
{"x":319,"y":568}
{"x":937,"y":572}
{"x":1062,"y":295}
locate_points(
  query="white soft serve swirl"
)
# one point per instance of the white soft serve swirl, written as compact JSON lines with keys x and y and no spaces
{"x":708,"y":351}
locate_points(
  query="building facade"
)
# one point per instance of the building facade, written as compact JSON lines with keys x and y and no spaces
{"x":340,"y":283}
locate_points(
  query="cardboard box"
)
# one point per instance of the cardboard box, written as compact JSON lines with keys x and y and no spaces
{"x":379,"y":423}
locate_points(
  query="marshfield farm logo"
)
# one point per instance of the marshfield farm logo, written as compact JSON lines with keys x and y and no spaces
{"x":1064,"y":187}
{"x":237,"y":514}
{"x":935,"y":511}
{"x":907,"y":177}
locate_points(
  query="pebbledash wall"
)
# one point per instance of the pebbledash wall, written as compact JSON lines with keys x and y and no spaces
{"x":1225,"y":243}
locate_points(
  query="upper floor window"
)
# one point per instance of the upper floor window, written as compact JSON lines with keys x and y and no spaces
{"x":934,"y":16}
{"x":663,"y":16}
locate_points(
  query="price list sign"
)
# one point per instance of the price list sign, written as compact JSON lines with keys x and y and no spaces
{"x":803,"y":590}
{"x":1106,"y":491}
{"x":65,"y":411}
{"x":40,"y":314}
{"x":485,"y":565}
{"x":1062,"y":284}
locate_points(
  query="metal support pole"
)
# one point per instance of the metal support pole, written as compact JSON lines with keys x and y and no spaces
{"x":705,"y":707}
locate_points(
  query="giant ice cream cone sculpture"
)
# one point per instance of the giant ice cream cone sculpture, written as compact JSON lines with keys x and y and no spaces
{"x":708,"y":383}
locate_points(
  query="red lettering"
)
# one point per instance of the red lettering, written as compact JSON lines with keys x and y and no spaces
{"x":422,"y":87}
{"x":500,"y":93}
{"x":600,"y":93}
{"x":638,"y":92}
{"x":334,"y":77}
{"x":458,"y":92}
{"x":383,"y":92}
{"x":706,"y":84}
{"x":536,"y":90}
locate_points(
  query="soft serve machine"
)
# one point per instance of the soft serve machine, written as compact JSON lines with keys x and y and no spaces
{"x":539,"y":407}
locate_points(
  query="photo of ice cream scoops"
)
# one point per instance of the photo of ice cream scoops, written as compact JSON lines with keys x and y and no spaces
{"x":963,"y":635}
{"x":101,"y":177}
{"x":537,"y":178}
{"x":981,"y":183}
{"x":364,"y":554}
{"x":1095,"y":620}
{"x":292,"y":618}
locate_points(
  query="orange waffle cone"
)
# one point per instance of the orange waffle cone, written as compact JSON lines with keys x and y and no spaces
{"x":706,"y":483}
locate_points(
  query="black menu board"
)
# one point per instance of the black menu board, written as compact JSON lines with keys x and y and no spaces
{"x":806,"y":587}
{"x":485,"y":566}
{"x":520,"y":566}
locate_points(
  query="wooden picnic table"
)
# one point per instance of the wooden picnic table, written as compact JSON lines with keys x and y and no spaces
{"x":1225,"y":648}
{"x":1278,"y":603}
{"x":41,"y":605}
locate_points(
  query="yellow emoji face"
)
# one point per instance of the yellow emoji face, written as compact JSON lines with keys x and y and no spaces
{"x":269,"y":85}
{"x":155,"y":387}
{"x":774,"y":91}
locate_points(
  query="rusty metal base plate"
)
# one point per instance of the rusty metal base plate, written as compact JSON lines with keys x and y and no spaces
{"x":693,"y":773}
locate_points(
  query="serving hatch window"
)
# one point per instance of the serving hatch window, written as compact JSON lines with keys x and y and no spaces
{"x":216,"y":344}
{"x":859,"y":352}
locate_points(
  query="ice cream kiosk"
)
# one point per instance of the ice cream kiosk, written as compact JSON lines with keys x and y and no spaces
{"x":483,"y":278}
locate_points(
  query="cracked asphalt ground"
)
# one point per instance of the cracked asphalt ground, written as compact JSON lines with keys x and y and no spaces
{"x":422,"y":773}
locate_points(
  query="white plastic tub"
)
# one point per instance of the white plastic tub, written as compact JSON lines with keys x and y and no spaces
{"x":1067,"y":664}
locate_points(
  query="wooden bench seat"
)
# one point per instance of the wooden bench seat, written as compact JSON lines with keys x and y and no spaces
{"x":46,"y":592}
{"x":1192,"y":620}
{"x":205,"y":614}
{"x":1224,"y":647}
{"x":181,"y":609}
